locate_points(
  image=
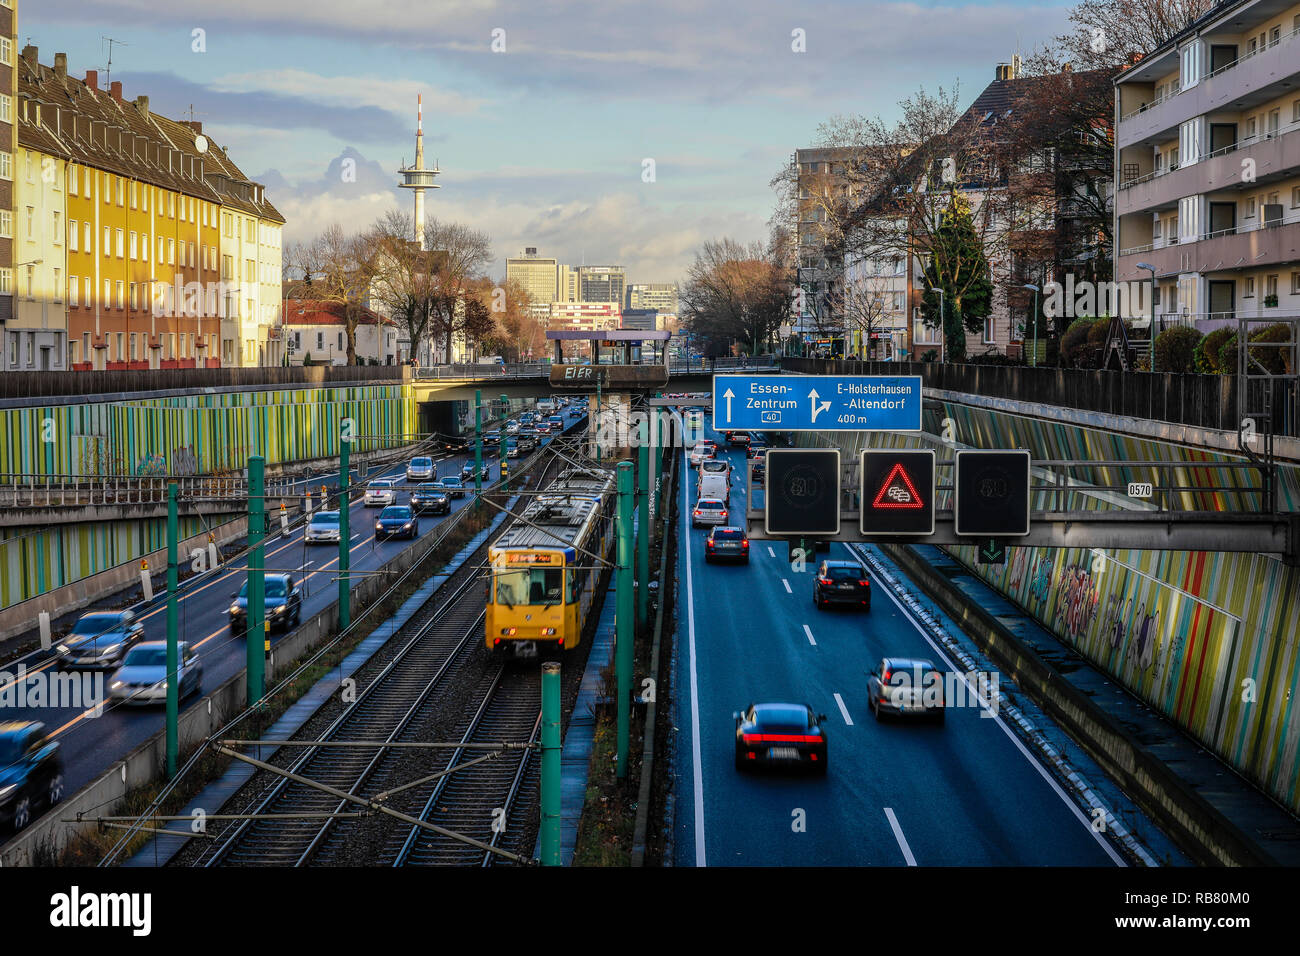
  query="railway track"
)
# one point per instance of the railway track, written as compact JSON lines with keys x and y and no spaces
{"x":295,"y":824}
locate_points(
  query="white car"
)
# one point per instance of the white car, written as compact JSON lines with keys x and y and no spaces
{"x":420,"y":469}
{"x":142,"y":678}
{"x":380,"y":493}
{"x":323,"y":528}
{"x":703,"y":450}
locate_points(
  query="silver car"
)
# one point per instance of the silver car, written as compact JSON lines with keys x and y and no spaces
{"x":420,"y":469}
{"x":323,"y":528}
{"x":380,"y":493}
{"x":910,"y":687}
{"x":709,"y":511}
{"x":142,"y":678}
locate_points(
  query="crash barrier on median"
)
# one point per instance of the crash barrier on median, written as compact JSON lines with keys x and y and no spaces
{"x":1200,"y":829}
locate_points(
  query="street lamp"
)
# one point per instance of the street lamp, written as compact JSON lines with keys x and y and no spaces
{"x":1033,"y":362}
{"x":1152,"y":331}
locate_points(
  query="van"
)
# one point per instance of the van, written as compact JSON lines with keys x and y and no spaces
{"x":714,"y":485}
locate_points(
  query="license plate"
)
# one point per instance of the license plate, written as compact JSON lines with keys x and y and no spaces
{"x":782,"y":753}
{"x":846,"y":587}
{"x":526,"y":648}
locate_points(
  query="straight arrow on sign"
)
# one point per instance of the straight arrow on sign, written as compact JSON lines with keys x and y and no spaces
{"x":817,"y":408}
{"x":728,"y":395}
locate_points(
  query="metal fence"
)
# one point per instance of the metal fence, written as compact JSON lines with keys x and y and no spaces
{"x":71,"y":491}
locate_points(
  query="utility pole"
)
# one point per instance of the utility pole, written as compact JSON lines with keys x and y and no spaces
{"x":643,"y":525}
{"x":625,"y":630}
{"x":501,"y":437}
{"x":345,"y":530}
{"x":550,"y":835}
{"x":478,"y":442}
{"x":173,"y":636}
{"x":255,"y":633}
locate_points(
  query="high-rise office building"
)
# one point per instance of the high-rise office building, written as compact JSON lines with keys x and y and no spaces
{"x":537,"y":276}
{"x":601,"y":284}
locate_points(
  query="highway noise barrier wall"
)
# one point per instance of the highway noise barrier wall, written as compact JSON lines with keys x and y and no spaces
{"x":211,"y":434}
{"x":1211,"y":640}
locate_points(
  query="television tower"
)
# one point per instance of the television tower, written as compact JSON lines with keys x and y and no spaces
{"x":417,"y":177}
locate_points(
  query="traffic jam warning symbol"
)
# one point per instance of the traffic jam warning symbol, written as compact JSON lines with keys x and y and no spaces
{"x":897,"y":492}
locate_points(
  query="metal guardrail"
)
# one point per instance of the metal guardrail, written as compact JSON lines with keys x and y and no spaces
{"x":73,"y":491}
{"x":484,"y":370}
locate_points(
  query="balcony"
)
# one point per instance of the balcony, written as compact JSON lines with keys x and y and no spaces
{"x":1249,"y":79}
{"x":1276,"y":154}
{"x":1225,"y":250}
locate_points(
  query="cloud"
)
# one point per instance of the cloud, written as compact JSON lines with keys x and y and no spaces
{"x":393,"y":96}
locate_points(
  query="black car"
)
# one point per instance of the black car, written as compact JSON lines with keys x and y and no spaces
{"x":467,"y":472}
{"x":31,"y":773}
{"x":728,"y":542}
{"x":842,"y":582}
{"x":780,"y":735}
{"x":758,"y":470}
{"x":397,"y":521}
{"x":739,"y":439}
{"x":756,"y":444}
{"x":282,"y":600}
{"x":429,"y":497}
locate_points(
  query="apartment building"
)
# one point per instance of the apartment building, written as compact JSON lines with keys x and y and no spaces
{"x":1207,"y":151}
{"x":8,"y":140}
{"x":318,"y":332}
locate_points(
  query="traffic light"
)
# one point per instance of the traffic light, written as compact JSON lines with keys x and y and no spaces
{"x":801,"y":491}
{"x":897,"y":492}
{"x":992,"y":498}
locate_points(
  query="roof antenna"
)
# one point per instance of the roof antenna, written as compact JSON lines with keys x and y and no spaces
{"x":108,"y":73}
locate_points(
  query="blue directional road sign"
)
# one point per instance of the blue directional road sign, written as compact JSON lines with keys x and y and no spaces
{"x":817,"y":403}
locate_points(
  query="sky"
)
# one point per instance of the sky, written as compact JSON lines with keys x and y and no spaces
{"x":541,"y":115}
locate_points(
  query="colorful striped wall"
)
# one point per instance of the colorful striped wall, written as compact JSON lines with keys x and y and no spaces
{"x":1212,"y":640}
{"x":198,"y":434}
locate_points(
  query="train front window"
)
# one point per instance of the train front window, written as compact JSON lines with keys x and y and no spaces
{"x":531,"y":586}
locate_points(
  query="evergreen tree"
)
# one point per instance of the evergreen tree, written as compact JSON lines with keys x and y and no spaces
{"x":958,"y":266}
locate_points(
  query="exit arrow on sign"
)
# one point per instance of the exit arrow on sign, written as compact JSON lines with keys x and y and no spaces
{"x":993,"y":552}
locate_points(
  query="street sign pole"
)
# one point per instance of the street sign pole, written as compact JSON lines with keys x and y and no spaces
{"x":643,"y":526}
{"x":551,"y":716}
{"x":478,"y":443}
{"x":501,"y":438}
{"x":173,"y":636}
{"x":254,"y":635}
{"x":345,"y":532}
{"x":624,"y":629}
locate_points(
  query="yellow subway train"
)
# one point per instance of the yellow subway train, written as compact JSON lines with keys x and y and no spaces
{"x":543,"y":571}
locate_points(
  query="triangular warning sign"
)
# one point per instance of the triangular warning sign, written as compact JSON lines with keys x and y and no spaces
{"x":898,"y":492}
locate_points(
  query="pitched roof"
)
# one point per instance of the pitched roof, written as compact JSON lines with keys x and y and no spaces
{"x":318,"y":312}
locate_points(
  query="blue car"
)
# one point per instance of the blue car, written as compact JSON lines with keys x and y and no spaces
{"x":397,"y":521}
{"x":31,"y":773}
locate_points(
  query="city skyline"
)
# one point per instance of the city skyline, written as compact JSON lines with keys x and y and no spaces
{"x":510,"y":129}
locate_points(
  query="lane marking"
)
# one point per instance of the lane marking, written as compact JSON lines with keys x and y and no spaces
{"x":807,"y":630}
{"x":844,"y":710}
{"x":700,"y":859}
{"x":898,"y":835}
{"x":997,"y":719}
{"x":787,"y":586}
{"x":770,"y":551}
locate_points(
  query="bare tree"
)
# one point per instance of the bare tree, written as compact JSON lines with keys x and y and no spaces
{"x":406,"y":279}
{"x":465,"y":254}
{"x":1111,"y":33}
{"x":736,"y":292}
{"x":865,"y":304}
{"x":341,"y":268}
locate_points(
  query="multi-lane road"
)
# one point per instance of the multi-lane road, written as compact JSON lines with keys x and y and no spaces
{"x":964,"y":792}
{"x":90,"y":744}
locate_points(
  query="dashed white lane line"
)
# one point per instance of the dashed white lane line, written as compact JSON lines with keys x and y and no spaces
{"x":898,"y":835}
{"x":808,"y":630}
{"x":788,"y":589}
{"x":696,"y":755}
{"x":844,"y":710}
{"x":770,"y":551}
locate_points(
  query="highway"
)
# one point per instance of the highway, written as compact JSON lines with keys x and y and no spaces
{"x":965,"y":792}
{"x":90,"y":744}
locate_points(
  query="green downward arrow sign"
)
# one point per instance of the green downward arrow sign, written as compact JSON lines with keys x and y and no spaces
{"x":993,"y":552}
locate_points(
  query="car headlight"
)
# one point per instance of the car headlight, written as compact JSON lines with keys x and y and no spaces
{"x":407,"y":526}
{"x":116,"y":685}
{"x":5,"y":791}
{"x":378,"y":526}
{"x":111,"y":649}
{"x":236,"y":609}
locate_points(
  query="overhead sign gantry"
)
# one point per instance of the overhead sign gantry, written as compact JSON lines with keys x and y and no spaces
{"x":807,"y":403}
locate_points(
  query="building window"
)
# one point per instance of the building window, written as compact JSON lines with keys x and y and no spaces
{"x":121,"y":351}
{"x":134,"y":193}
{"x":121,"y":191}
{"x":320,"y":344}
{"x":6,"y":165}
{"x":6,"y":224}
{"x":6,"y":281}
{"x":160,"y":249}
{"x":6,"y":108}
{"x":107,"y":248}
{"x":134,"y":301}
{"x":1250,"y":208}
{"x":90,"y":237}
{"x":1270,"y":285}
{"x":6,"y":51}
{"x":74,"y":231}
{"x":31,"y":224}
{"x":171,"y":251}
{"x":73,"y":298}
{"x":144,"y":245}
{"x":89,"y":289}
{"x":134,"y":335}
{"x":988,"y":331}
{"x":72,"y":179}
{"x":135,"y":249}
{"x":58,"y":285}
{"x":1295,"y":283}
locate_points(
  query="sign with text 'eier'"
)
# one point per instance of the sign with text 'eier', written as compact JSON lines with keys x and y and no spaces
{"x":817,"y":403}
{"x":897,"y":491}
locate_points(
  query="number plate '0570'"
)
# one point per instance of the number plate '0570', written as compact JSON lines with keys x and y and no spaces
{"x":1140,"y":489}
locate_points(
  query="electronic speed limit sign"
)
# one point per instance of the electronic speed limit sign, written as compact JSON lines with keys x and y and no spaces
{"x":992,"y":493}
{"x":801,"y":491}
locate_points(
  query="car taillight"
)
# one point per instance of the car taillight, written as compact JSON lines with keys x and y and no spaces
{"x":884,"y":678}
{"x":824,"y":581}
{"x":745,"y":545}
{"x":723,"y":513}
{"x":698,"y":512}
{"x":780,"y":738}
{"x":865,"y":584}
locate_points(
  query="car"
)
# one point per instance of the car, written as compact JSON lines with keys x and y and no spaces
{"x":31,"y":772}
{"x":282,"y":600}
{"x":142,"y":678}
{"x":323,"y":528}
{"x":758,"y":470}
{"x":419,"y":469}
{"x":492,"y":437}
{"x":715,"y":485}
{"x":727,"y":541}
{"x":908,"y":687}
{"x":709,"y":511}
{"x":380,"y":493}
{"x":99,"y":640}
{"x":739,"y":439}
{"x":527,"y":418}
{"x":712,"y":466}
{"x":556,"y":422}
{"x":841,"y":582}
{"x":527,"y":441}
{"x":512,"y":448}
{"x":542,"y":427}
{"x":467,"y":471}
{"x":429,"y":497}
{"x":757,"y":445}
{"x":454,"y":487}
{"x":700,"y":452}
{"x":780,"y":735}
{"x":397,"y":521}
{"x":512,"y":427}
